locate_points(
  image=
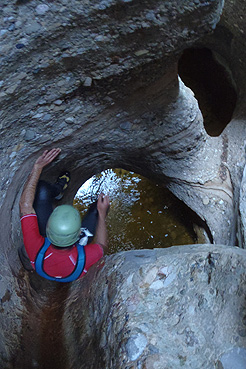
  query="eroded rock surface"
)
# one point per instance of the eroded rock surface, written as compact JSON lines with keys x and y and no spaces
{"x":99,"y":79}
{"x":181,"y":307}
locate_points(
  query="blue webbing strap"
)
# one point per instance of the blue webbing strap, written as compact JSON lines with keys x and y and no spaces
{"x":73,"y":276}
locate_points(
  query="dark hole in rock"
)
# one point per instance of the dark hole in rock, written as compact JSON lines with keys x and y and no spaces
{"x":143,"y":214}
{"x":212,"y":85}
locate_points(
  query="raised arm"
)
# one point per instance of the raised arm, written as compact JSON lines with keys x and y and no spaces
{"x":101,"y":236}
{"x":28,"y":193}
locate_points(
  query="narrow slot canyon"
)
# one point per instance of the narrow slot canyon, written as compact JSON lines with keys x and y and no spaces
{"x":153,"y":93}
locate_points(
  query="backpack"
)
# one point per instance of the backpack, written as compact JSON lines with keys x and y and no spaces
{"x":79,"y":267}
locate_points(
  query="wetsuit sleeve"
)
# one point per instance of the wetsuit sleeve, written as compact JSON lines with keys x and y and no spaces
{"x":33,"y":241}
{"x":93,"y":253}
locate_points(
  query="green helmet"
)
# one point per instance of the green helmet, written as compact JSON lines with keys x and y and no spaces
{"x":63,"y":227}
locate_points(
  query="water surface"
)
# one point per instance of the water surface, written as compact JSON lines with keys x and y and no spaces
{"x":143,"y":215}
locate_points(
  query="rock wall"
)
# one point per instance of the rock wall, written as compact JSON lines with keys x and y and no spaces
{"x":99,"y":79}
{"x":101,"y":82}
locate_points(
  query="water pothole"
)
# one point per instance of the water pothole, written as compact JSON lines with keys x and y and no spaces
{"x":143,"y":214}
{"x":201,"y":70}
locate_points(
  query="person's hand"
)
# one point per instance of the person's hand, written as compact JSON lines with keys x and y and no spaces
{"x":103,"y":205}
{"x":46,"y":158}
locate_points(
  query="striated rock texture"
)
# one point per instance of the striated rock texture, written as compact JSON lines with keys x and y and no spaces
{"x":182,"y":307}
{"x":99,"y":79}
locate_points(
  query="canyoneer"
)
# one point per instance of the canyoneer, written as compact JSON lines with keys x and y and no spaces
{"x":56,"y":243}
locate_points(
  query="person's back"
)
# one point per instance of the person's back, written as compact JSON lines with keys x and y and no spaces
{"x":52,"y":239}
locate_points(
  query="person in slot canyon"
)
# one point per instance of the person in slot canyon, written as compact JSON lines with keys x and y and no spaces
{"x":56,"y":244}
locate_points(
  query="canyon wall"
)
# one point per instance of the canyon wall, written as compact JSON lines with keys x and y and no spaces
{"x":100,"y":80}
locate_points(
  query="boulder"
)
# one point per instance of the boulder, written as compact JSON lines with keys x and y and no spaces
{"x":181,"y":307}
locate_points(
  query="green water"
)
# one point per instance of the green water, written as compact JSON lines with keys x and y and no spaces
{"x":143,"y":215}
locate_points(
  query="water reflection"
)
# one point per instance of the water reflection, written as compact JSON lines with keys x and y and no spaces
{"x":142,"y":214}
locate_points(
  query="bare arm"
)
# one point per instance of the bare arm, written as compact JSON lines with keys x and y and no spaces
{"x":101,"y":236}
{"x":28,"y":193}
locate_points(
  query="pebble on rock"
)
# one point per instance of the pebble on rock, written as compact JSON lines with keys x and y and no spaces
{"x":69,"y":120}
{"x":156,"y":285}
{"x":88,"y":82}
{"x":11,"y":27}
{"x":135,"y":346}
{"x":126,"y":126}
{"x":58,"y":102}
{"x":42,"y":9}
{"x":29,"y":135}
{"x":151,"y":275}
{"x":47,"y":117}
{"x":3,"y":32}
{"x":101,"y":38}
{"x":12,"y":89}
{"x":205,"y":201}
{"x":141,"y":52}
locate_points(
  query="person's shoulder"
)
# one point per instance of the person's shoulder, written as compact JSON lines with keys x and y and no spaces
{"x":92,"y":248}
